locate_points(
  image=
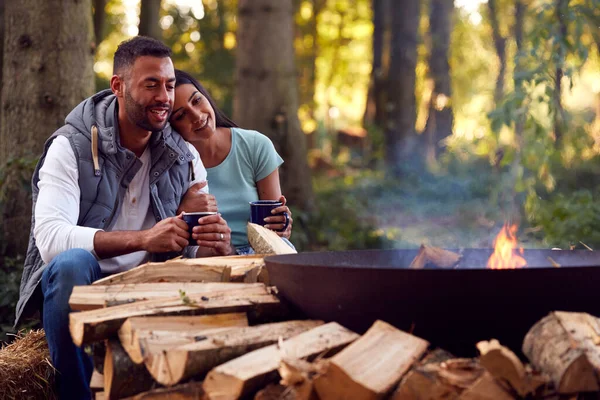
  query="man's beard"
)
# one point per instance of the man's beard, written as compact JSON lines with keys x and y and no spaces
{"x":137,"y":114}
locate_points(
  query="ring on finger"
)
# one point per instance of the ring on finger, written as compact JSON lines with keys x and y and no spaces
{"x":222,"y":236}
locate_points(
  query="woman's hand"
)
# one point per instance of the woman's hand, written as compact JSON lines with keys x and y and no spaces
{"x":277,"y":222}
{"x":194,"y":200}
{"x":213,"y":235}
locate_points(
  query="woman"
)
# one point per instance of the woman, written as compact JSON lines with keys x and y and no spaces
{"x":242,"y":165}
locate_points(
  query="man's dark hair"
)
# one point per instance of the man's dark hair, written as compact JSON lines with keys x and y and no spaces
{"x":138,"y":46}
{"x":222,"y":120}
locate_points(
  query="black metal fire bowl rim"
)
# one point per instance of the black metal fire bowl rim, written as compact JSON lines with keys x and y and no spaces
{"x":472,"y":259}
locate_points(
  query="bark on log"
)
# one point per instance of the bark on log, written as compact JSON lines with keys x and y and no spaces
{"x":209,"y":269}
{"x":139,"y":333}
{"x":172,"y":366}
{"x":91,"y":297}
{"x":370,"y":367}
{"x":187,"y":391}
{"x":448,"y":379}
{"x":565,"y":346}
{"x":280,"y":392}
{"x":122,"y":377}
{"x":246,"y":374}
{"x":97,"y":351}
{"x":95,"y":325}
{"x":266,"y":241}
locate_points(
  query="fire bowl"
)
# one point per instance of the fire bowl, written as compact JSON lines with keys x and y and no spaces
{"x":451,"y":308}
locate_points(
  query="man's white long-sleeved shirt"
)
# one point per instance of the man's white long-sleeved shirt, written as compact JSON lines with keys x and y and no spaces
{"x":57,"y":207}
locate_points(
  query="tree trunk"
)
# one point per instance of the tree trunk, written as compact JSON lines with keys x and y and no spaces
{"x":47,"y":71}
{"x":308,"y":97}
{"x":518,"y":33}
{"x":401,"y":105}
{"x":375,"y":109}
{"x":519,"y":23}
{"x":307,"y":58}
{"x":440,"y":119}
{"x":2,"y":26}
{"x":266,"y":96}
{"x":150,"y":19}
{"x":99,"y":19}
{"x":562,"y":7}
{"x":500,"y":45}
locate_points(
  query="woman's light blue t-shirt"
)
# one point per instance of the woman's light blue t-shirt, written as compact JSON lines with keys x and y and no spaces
{"x":233,"y":182}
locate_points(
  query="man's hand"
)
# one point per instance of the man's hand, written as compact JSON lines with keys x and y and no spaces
{"x":169,"y":234}
{"x":277,"y":222}
{"x":213,"y":234}
{"x":194,"y":200}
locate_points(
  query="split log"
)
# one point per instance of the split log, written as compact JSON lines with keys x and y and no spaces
{"x":208,"y":269}
{"x":122,"y":377}
{"x":97,"y":381}
{"x":255,"y":274}
{"x":95,"y":325}
{"x":186,"y":391}
{"x":438,"y":257}
{"x":169,"y":367}
{"x":91,"y":297}
{"x":169,"y":271}
{"x":252,"y":272}
{"x":246,"y":374}
{"x":139,"y":334}
{"x":297,"y":376}
{"x":507,"y":369}
{"x":450,"y":379}
{"x":266,"y":241}
{"x":370,"y":367}
{"x":565,"y":346}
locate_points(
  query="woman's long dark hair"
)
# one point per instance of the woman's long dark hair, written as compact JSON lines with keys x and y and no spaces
{"x":222,"y":120}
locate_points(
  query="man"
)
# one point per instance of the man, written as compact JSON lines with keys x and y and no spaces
{"x":105,"y":197}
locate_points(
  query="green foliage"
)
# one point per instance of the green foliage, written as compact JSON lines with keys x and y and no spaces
{"x":343,"y":219}
{"x":11,"y":270}
{"x":15,"y":174}
{"x":186,"y":300}
{"x":205,"y":47}
{"x":567,"y":219}
{"x":527,"y":123}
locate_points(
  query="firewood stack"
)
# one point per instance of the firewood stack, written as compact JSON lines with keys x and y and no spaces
{"x":215,"y":329}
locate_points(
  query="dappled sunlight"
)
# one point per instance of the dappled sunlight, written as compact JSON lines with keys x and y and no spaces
{"x":333,"y":47}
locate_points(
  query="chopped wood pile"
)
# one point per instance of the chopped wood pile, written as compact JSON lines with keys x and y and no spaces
{"x":181,"y":330}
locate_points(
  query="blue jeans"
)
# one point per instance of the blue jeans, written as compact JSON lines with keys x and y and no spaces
{"x":72,"y":268}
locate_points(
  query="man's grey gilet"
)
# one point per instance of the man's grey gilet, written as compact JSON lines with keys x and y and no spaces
{"x":102,"y":190}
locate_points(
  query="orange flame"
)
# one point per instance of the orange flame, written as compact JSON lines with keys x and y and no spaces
{"x":506,"y":254}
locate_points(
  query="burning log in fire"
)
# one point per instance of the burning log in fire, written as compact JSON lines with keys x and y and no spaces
{"x":435,"y":256}
{"x":506,"y":253}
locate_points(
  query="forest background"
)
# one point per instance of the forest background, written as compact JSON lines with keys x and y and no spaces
{"x":401,"y":121}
